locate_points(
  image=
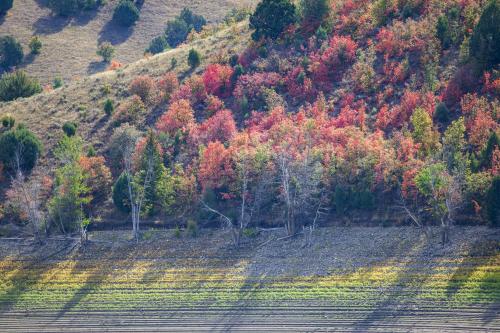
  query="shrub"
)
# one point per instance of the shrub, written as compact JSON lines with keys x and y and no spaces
{"x":218,"y":80}
{"x":485,"y":41}
{"x":173,"y":63}
{"x":130,"y":110}
{"x":126,"y":13}
{"x":35,"y":45}
{"x":142,"y":86}
{"x":11,"y":52}
{"x":16,"y":85}
{"x":493,"y":202}
{"x":192,"y":228}
{"x":176,"y":32}
{"x":158,"y":45}
{"x":69,"y":128}
{"x":58,"y":83}
{"x":5,"y":5}
{"x":109,"y":107}
{"x":106,"y":51}
{"x":194,"y":58}
{"x":19,"y":139}
{"x":271,"y":18}
{"x":168,"y":84}
{"x":8,"y":121}
{"x":194,"y":21}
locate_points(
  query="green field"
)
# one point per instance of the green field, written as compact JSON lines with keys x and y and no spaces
{"x":134,"y":287}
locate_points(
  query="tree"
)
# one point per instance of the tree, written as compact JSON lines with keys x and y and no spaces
{"x":487,"y":153}
{"x":11,"y":52}
{"x":5,"y":5}
{"x":142,"y":86}
{"x":196,"y":22}
{"x":71,"y":194}
{"x":179,"y":117}
{"x":18,"y":84}
{"x":19,"y":150}
{"x":194,"y":58}
{"x":218,"y":80}
{"x":493,"y":202}
{"x":443,"y":193}
{"x":158,"y":45}
{"x":485,"y":40}
{"x":64,"y":7}
{"x":176,"y":32}
{"x":106,"y":51}
{"x":109,"y":107}
{"x":97,"y":177}
{"x":454,"y":145}
{"x":313,"y":13}
{"x":126,"y":13}
{"x":271,"y":18}
{"x":423,"y":131}
{"x":35,"y":45}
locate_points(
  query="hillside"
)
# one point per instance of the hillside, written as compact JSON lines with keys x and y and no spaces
{"x":353,"y":279}
{"x":70,"y":44}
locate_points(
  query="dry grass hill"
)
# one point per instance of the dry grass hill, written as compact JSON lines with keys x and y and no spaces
{"x":69,"y":45}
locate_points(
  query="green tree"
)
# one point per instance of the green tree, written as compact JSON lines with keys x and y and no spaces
{"x":158,"y":45}
{"x":64,"y":7}
{"x":485,"y":41}
{"x":18,"y":84}
{"x":106,"y":51}
{"x":194,"y":58}
{"x":313,"y":13}
{"x":194,"y":21}
{"x":176,"y":32}
{"x":35,"y":45}
{"x":19,"y":148}
{"x":126,"y":13}
{"x":493,"y":202}
{"x":454,"y":145}
{"x":487,"y":153}
{"x":271,"y":18}
{"x":11,"y":52}
{"x":423,"y":132}
{"x":69,"y":128}
{"x":71,"y":194}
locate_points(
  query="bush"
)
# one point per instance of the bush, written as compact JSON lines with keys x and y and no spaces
{"x":485,"y":41}
{"x":109,"y":107}
{"x":8,"y":121}
{"x":11,"y":52}
{"x":5,"y":5}
{"x":13,"y":140}
{"x":142,"y":86}
{"x":57,"y":83}
{"x":129,"y":111}
{"x":192,"y":228}
{"x":106,"y":51}
{"x":193,"y":21}
{"x":493,"y":202}
{"x":126,"y":13}
{"x":176,"y":32}
{"x":69,"y":128}
{"x":158,"y":45}
{"x":271,"y":18}
{"x":35,"y":45}
{"x":16,"y":85}
{"x":194,"y":58}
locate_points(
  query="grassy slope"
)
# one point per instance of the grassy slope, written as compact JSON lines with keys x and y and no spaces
{"x":82,"y":100}
{"x":69,"y":45}
{"x":191,"y":283}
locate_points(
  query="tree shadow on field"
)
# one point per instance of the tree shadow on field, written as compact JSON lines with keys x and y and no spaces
{"x":96,"y":67}
{"x":29,"y":275}
{"x":101,"y":269}
{"x":50,"y":24}
{"x":114,"y":33}
{"x":482,"y":253}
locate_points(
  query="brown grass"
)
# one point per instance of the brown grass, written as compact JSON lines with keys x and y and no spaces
{"x":69,"y":45}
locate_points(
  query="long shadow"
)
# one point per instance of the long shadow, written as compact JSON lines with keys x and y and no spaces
{"x":391,"y":306}
{"x":24,"y":279}
{"x":96,"y":67}
{"x":114,"y":33}
{"x":50,"y":24}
